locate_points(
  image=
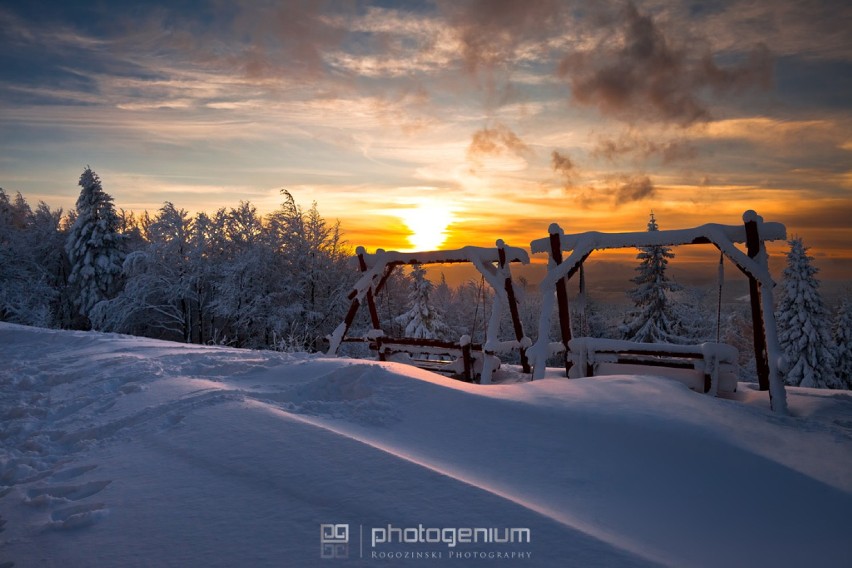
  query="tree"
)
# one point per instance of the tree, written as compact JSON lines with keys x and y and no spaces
{"x":32,"y":264}
{"x":422,"y":320}
{"x":655,"y":318}
{"x":246,"y":282}
{"x":157,"y":298}
{"x":803,"y":324}
{"x":47,"y":234}
{"x":94,"y":245}
{"x":843,"y":343}
{"x":313,"y":275}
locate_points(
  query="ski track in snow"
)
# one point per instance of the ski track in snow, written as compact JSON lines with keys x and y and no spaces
{"x":86,"y":394}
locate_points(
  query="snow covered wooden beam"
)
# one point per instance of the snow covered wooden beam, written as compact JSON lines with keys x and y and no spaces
{"x":705,"y":234}
{"x":464,"y":254}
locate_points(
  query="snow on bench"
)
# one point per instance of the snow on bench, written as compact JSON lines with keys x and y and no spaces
{"x":468,"y":363}
{"x":708,"y":367}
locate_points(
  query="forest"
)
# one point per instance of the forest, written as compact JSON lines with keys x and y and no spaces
{"x":279,"y":281}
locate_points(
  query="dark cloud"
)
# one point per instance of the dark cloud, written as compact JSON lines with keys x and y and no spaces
{"x":619,"y":190}
{"x":561,"y":163}
{"x":632,"y":144}
{"x":637,"y":72}
{"x":633,"y":189}
{"x":491,"y":31}
{"x":564,"y":166}
{"x":821,"y":214}
{"x":497,"y":37}
{"x":292,"y":35}
{"x":257,"y":41}
{"x":496,"y":141}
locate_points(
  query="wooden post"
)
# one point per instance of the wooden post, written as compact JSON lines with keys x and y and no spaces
{"x":468,"y":364}
{"x":761,"y":356}
{"x":350,"y":315}
{"x":371,"y":303}
{"x":561,"y":297}
{"x":513,"y":308}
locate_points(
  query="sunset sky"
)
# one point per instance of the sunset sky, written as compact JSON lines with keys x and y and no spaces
{"x":412,"y":122}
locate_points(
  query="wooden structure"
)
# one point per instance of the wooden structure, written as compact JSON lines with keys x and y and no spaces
{"x":471,"y":360}
{"x":710,"y":368}
{"x":752,"y":262}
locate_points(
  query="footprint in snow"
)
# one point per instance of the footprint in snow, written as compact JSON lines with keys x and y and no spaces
{"x":38,"y":496}
{"x":76,"y":517}
{"x":71,"y":473}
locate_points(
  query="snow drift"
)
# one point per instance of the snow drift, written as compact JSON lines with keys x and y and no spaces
{"x":120,"y":451}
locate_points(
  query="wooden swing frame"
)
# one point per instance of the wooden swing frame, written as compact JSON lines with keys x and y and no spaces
{"x":753,"y":263}
{"x":492,"y":264}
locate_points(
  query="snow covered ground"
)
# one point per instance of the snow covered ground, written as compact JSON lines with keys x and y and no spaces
{"x":120,"y":451}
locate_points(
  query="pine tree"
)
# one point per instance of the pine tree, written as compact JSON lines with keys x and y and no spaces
{"x":803,"y":324}
{"x":94,"y":245}
{"x":655,"y":318}
{"x":843,"y":343}
{"x":422,"y":320}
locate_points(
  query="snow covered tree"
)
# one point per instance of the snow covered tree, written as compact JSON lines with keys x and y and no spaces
{"x":33,"y":265}
{"x":94,"y":245}
{"x":312,"y":277}
{"x":655,"y":318}
{"x":47,"y":235}
{"x":803,"y":324}
{"x":246,"y":281}
{"x":422,"y":320}
{"x":25,"y":293}
{"x":843,"y":343}
{"x":157,"y":297}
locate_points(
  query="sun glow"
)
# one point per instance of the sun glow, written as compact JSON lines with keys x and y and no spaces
{"x":428,"y":222}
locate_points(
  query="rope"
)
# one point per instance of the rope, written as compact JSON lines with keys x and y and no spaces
{"x":479,"y":300}
{"x":582,"y":304}
{"x":719,"y":306}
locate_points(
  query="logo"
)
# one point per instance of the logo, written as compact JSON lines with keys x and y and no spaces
{"x":420,"y":542}
{"x":334,"y":541}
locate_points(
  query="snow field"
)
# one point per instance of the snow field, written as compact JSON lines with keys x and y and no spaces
{"x":121,"y":451}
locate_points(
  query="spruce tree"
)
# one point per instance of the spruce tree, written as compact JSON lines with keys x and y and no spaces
{"x":803,"y":324}
{"x":94,"y":245}
{"x":655,"y":317}
{"x":423,"y":320}
{"x":843,"y":343}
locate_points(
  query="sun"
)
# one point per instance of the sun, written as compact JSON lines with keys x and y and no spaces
{"x":428,"y":223}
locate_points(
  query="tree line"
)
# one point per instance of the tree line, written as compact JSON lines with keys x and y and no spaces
{"x":278,"y":281}
{"x":233,"y":277}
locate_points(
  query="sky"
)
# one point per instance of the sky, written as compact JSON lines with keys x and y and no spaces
{"x":432,"y":124}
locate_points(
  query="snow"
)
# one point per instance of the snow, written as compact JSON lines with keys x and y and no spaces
{"x":717,"y":360}
{"x":723,"y":237}
{"x":485,"y":260}
{"x":709,"y":232}
{"x":464,"y":254}
{"x":121,"y":451}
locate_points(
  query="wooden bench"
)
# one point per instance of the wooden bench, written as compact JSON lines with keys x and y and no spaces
{"x":464,"y":354}
{"x":707,"y":367}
